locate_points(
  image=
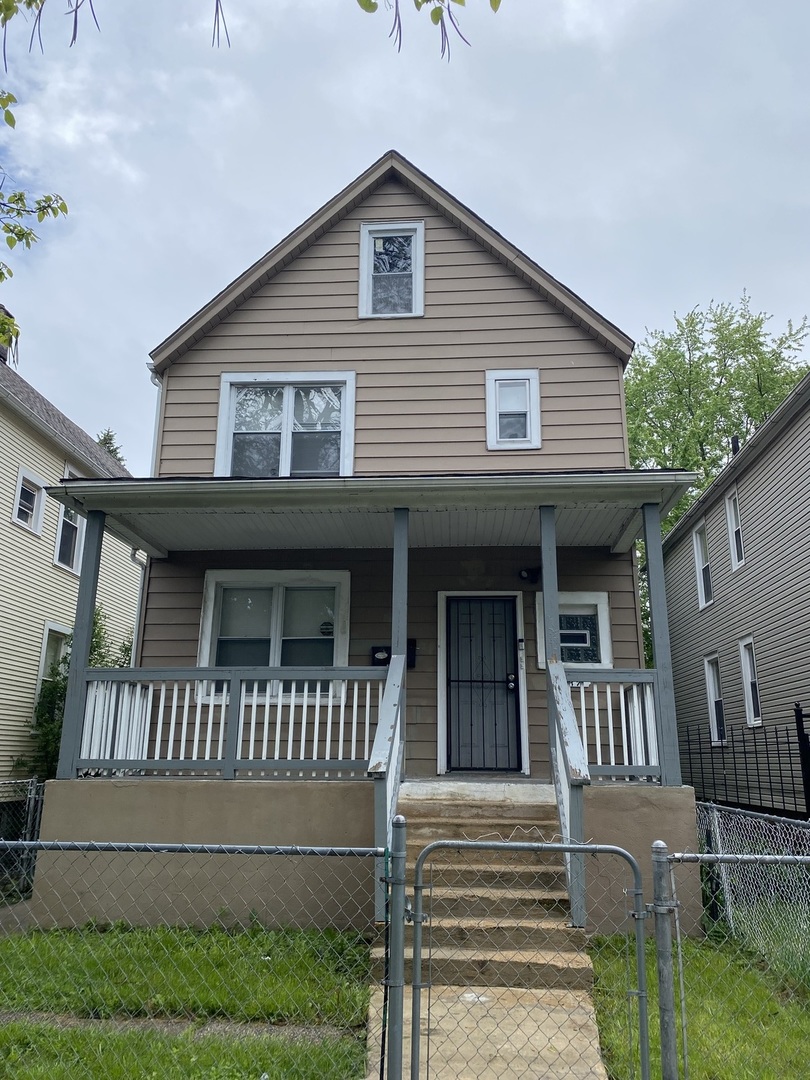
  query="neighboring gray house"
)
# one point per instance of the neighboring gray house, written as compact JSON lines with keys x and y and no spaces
{"x":738,"y":586}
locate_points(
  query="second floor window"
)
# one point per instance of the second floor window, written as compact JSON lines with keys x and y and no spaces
{"x":513,"y":410}
{"x":735,"y":537}
{"x":29,"y":503}
{"x":702,"y":568}
{"x":301,"y":427}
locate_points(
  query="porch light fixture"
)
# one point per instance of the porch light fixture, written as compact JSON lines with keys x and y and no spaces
{"x":530,"y":574}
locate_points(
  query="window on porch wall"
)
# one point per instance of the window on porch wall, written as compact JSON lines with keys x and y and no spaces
{"x":276,"y":626}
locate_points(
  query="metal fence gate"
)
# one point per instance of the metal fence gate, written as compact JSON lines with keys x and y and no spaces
{"x":503,"y":984}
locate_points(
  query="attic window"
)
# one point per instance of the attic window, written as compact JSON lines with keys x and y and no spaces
{"x":392,"y":270}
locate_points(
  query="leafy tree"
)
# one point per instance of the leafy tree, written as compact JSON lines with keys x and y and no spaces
{"x":50,"y":707}
{"x":720,"y":373}
{"x":19,"y":210}
{"x":106,"y":440}
{"x":441,"y":15}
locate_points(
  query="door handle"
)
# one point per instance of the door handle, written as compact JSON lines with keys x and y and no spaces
{"x":511,"y":682}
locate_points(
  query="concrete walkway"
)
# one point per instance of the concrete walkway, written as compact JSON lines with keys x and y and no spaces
{"x":489,"y":1033}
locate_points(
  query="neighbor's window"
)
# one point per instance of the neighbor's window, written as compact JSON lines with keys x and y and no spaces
{"x":29,"y":500}
{"x":297,"y":425}
{"x":69,"y":539}
{"x":392,"y":269}
{"x":702,"y":569}
{"x":753,"y":709}
{"x":54,"y":648}
{"x":714,"y":695}
{"x":513,"y":410}
{"x":257,"y":618}
{"x":584,"y":629}
{"x":735,"y":537}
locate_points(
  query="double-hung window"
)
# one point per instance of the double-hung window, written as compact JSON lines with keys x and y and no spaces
{"x":392,"y":269}
{"x":513,"y":410}
{"x":69,"y":535}
{"x":263,"y":618}
{"x":584,"y":629}
{"x":714,"y":697}
{"x":748,"y":664}
{"x":735,"y":537}
{"x":702,"y":568}
{"x":290,"y":424}
{"x":29,"y":501}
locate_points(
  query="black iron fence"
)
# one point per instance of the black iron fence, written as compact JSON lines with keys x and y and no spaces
{"x":764,"y":768}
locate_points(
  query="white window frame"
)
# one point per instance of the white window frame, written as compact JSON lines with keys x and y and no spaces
{"x":81,"y":521}
{"x":230,"y":381}
{"x":532,"y":377}
{"x":698,"y":531}
{"x":369,"y":231}
{"x":714,"y":693}
{"x":49,"y":628}
{"x":340,"y":580}
{"x":598,"y":600}
{"x":31,"y":479}
{"x":734,"y":521}
{"x":748,"y":667}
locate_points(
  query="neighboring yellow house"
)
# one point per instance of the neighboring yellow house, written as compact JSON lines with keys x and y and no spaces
{"x":42,"y":544}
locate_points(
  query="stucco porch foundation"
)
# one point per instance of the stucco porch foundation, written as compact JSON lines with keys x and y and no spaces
{"x":633,"y":816}
{"x":72,"y":888}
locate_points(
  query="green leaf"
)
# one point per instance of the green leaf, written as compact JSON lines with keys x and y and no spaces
{"x":8,"y":116}
{"x":436,"y":15}
{"x":494,"y":4}
{"x":461,"y":3}
{"x":368,"y":5}
{"x":11,"y":241}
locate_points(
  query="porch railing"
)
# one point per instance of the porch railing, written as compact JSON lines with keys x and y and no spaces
{"x":386,"y":764}
{"x":617,"y":720}
{"x":260,"y":722}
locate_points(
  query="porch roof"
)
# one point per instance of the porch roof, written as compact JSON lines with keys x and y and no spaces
{"x":594,"y":509}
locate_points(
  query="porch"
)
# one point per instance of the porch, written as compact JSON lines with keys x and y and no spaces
{"x":436,"y":538}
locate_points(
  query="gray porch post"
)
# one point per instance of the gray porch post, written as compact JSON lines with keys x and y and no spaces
{"x":551,"y":591}
{"x":399,"y":603}
{"x":80,"y":649}
{"x":662,"y":656}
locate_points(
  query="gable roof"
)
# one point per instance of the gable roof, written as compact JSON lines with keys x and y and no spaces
{"x":790,"y":409}
{"x":391,"y":166}
{"x":27,"y":403}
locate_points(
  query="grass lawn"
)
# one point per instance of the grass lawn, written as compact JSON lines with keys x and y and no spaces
{"x":742,"y":1022}
{"x":54,"y":983}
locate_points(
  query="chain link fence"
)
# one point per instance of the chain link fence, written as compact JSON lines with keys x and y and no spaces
{"x":20,"y":814}
{"x":169,"y":961}
{"x":741,"y":989}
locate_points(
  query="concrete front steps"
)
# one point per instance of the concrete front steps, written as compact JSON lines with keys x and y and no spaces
{"x":493,"y":918}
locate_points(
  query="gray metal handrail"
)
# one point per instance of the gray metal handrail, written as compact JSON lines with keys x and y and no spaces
{"x":385,"y":765}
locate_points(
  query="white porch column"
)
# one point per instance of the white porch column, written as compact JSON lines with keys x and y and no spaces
{"x":80,"y":649}
{"x":662,"y":656}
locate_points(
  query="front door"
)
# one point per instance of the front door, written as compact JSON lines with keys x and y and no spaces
{"x":483,"y":714}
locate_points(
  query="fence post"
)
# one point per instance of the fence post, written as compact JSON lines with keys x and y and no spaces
{"x":804,"y":753}
{"x":663,"y":907}
{"x":396,"y":966}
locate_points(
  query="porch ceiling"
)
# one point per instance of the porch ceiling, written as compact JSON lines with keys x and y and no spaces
{"x":163,"y":515}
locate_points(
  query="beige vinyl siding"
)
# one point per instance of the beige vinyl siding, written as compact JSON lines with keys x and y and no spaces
{"x":172,"y":620}
{"x":420,"y":403}
{"x":768,"y":597}
{"x":36,"y":591}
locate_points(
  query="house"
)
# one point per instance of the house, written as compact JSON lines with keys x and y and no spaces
{"x":43,"y":545}
{"x":391,"y":533}
{"x":738,"y":581}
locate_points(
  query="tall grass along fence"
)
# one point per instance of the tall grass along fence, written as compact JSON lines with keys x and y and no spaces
{"x":738,"y":997}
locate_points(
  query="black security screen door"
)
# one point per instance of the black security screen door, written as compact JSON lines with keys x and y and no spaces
{"x":483,"y":717}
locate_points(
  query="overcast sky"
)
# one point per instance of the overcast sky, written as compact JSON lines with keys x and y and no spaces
{"x":651,"y":154}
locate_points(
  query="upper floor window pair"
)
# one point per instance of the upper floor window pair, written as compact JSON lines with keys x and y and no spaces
{"x":700,"y":541}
